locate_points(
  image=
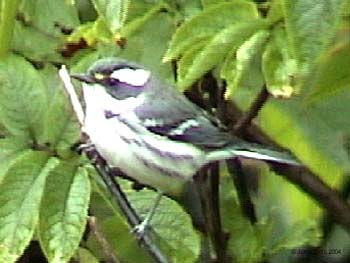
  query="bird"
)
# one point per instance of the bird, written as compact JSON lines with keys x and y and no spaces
{"x":152,"y":132}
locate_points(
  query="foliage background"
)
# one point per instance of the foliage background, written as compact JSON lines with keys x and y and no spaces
{"x":299,"y":51}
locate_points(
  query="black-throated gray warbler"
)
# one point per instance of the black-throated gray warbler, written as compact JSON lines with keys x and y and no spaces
{"x":151,"y":131}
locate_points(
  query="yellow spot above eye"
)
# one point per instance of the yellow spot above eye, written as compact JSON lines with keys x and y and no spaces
{"x":99,"y":76}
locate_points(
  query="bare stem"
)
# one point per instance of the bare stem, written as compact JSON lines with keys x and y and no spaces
{"x":107,"y":251}
{"x":246,"y":119}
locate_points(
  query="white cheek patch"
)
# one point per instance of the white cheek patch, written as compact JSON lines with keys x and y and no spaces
{"x":134,"y":77}
{"x":98,"y":99}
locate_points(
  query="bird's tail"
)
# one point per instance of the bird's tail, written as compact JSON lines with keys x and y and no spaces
{"x":253,"y":151}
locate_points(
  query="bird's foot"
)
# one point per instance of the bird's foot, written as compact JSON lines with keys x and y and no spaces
{"x":141,"y":229}
{"x":90,"y":150}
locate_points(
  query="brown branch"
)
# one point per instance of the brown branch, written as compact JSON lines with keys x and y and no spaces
{"x":218,"y":235}
{"x":106,"y":249}
{"x":316,"y":188}
{"x":300,"y":176}
{"x":327,"y":225}
{"x":214,"y":237}
{"x":328,"y":219}
{"x":246,"y":119}
{"x":236,"y":170}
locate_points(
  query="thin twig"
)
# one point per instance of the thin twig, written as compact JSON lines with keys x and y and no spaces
{"x":207,"y":185}
{"x":107,"y":251}
{"x":245,"y":121}
{"x":128,"y":211}
{"x":238,"y":177}
{"x":218,"y":235}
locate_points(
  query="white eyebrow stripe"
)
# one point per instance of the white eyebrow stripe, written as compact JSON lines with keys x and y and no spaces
{"x":134,"y":77}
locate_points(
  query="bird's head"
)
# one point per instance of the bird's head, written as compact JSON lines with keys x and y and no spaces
{"x":120,"y":78}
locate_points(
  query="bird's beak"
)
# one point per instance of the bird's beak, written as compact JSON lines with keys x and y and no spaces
{"x":83,"y":77}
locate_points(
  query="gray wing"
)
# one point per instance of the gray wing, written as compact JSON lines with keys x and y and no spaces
{"x":180,"y":120}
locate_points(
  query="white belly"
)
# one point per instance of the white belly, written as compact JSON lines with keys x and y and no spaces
{"x":161,"y":163}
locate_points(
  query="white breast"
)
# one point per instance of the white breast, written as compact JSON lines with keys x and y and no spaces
{"x":104,"y":133}
{"x":119,"y":144}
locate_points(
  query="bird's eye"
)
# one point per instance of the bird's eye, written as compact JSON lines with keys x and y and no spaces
{"x":112,"y":81}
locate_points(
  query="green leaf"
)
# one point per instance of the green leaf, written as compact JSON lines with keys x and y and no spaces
{"x":182,"y":245}
{"x":20,"y":195}
{"x":244,"y":243}
{"x":332,"y":74}
{"x":280,"y":201}
{"x":42,"y":21}
{"x":275,"y":13}
{"x":49,"y":16}
{"x":303,"y":233}
{"x":207,"y":3}
{"x":61,"y":129}
{"x":85,"y":256}
{"x":208,"y":23}
{"x":6,"y":256}
{"x":277,"y":229}
{"x":45,"y":48}
{"x":217,"y":49}
{"x":183,"y":9}
{"x":63,"y":211}
{"x":278,"y":68}
{"x":111,"y":223}
{"x":309,"y":133}
{"x":186,"y":60}
{"x":92,"y":33}
{"x":346,"y":8}
{"x":138,"y":9}
{"x":10,"y":149}
{"x":7,"y":17}
{"x":137,"y":23}
{"x":152,"y":38}
{"x":113,"y":12}
{"x":114,"y":229}
{"x":311,"y":25}
{"x":243,"y":68}
{"x":23,"y":98}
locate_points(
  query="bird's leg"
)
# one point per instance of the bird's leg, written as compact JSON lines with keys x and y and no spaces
{"x":83,"y":145}
{"x":86,"y":147}
{"x":90,"y":150}
{"x":142,"y":227}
